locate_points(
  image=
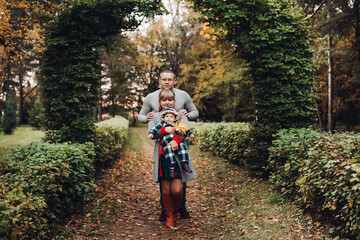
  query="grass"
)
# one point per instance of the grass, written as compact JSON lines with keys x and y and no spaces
{"x":144,"y":131}
{"x":22,"y":135}
{"x":25,"y":134}
{"x":134,"y":141}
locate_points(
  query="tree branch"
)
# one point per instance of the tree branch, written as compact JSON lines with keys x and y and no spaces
{"x":316,"y":11}
{"x":330,"y":22}
{"x":30,"y":91}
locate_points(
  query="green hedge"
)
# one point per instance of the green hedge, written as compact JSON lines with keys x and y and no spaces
{"x":58,"y":174}
{"x":108,"y":145}
{"x":42,"y":181}
{"x":110,"y":137}
{"x":226,"y":140}
{"x":22,"y":215}
{"x":321,"y":172}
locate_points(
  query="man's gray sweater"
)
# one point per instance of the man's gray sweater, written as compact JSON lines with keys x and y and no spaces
{"x":182,"y":101}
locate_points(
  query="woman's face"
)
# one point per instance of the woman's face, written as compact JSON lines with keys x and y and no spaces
{"x":165,"y":103}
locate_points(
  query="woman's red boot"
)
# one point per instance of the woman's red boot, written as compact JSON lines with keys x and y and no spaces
{"x":177,"y":202}
{"x":169,"y":209}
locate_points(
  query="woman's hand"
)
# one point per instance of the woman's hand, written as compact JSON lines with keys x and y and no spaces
{"x":174,"y":145}
{"x":170,"y":130}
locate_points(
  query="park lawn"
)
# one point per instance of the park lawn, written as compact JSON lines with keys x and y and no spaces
{"x":26,"y":134}
{"x":22,"y":135}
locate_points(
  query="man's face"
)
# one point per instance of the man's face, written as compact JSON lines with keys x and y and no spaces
{"x":167,"y":81}
{"x":169,"y":117}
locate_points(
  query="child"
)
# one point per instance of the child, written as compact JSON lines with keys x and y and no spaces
{"x":168,"y":117}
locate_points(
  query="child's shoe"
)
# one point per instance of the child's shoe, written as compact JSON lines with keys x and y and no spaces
{"x":185,"y":168}
{"x":172,"y":172}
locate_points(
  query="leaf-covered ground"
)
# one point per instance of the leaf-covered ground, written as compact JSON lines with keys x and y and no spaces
{"x":225,"y":202}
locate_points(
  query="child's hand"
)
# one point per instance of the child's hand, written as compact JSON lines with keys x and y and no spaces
{"x":150,"y":136}
{"x":170,"y":130}
{"x":192,"y":136}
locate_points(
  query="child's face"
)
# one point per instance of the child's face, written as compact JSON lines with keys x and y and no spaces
{"x":165,"y":103}
{"x":169,"y":117}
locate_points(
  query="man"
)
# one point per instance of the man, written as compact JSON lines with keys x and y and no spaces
{"x":183,"y":105}
{"x":183,"y":102}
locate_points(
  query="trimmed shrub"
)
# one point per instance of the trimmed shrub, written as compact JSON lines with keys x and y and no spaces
{"x":9,"y":120}
{"x":43,"y":181}
{"x":226,"y":140}
{"x":108,"y":143}
{"x":36,"y":116}
{"x":110,"y":138}
{"x":117,"y":122}
{"x":287,"y":156}
{"x":321,"y":172}
{"x":21,"y":215}
{"x":59,"y":173}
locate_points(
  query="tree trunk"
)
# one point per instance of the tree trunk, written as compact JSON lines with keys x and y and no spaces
{"x":321,"y":125}
{"x":134,"y":118}
{"x":330,"y":86}
{"x":357,"y":39}
{"x":21,"y":95}
{"x":95,"y":114}
{"x":7,"y":78}
{"x":99,"y":110}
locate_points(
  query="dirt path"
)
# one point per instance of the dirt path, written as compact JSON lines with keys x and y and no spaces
{"x":140,"y":212}
{"x":225,"y":202}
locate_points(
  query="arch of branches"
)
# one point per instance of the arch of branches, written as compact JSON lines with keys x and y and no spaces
{"x":275,"y":43}
{"x":266,"y":34}
{"x":71,"y":74}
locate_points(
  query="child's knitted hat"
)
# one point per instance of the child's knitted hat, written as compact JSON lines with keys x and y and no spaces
{"x":169,"y":110}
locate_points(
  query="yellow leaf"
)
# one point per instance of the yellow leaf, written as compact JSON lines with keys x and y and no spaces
{"x":181,"y":127}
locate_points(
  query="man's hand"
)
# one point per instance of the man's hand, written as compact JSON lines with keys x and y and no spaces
{"x":174,"y":145}
{"x":183,"y":112}
{"x":149,"y":116}
{"x":192,"y":136}
{"x":150,"y":136}
{"x":170,"y":130}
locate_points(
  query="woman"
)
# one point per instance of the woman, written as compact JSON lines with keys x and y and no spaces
{"x":172,"y":188}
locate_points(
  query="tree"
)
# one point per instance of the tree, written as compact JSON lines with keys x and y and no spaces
{"x":71,"y":73}
{"x":150,"y":58}
{"x":120,"y":93}
{"x":217,"y":79}
{"x":336,"y":22}
{"x":177,"y":38}
{"x":22,"y":28}
{"x":275,"y":45}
